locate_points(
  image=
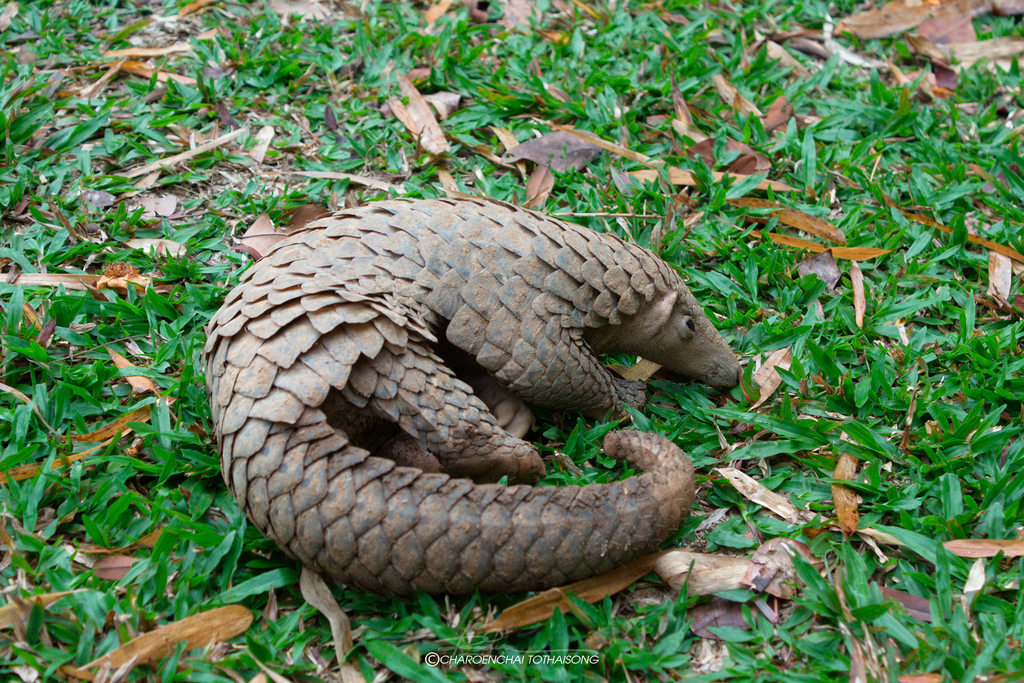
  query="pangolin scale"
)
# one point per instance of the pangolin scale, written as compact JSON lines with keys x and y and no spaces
{"x":376,"y":355}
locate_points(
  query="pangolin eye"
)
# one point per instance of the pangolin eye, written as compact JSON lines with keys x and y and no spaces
{"x":690,"y":326}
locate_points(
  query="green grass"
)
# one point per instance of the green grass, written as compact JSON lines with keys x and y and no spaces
{"x":955,"y":385}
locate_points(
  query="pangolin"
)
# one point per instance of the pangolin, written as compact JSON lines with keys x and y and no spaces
{"x":375,"y":357}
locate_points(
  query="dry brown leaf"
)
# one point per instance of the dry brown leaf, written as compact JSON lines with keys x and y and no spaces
{"x":183,"y":156}
{"x":559,"y":150}
{"x":444,"y":103}
{"x":539,"y":186}
{"x":849,"y":253}
{"x":846,"y":499}
{"x":119,"y":276}
{"x":260,"y":237}
{"x":975,"y":239}
{"x":435,"y":12}
{"x":768,"y":378}
{"x":944,"y":30}
{"x":519,"y":13}
{"x":149,"y":51}
{"x":612,"y":147}
{"x":507,"y":138}
{"x":15,"y":611}
{"x":22,"y":472}
{"x":262,"y":138}
{"x":96,"y":88}
{"x":1000,"y":275}
{"x":717,"y":613}
{"x":917,"y":607}
{"x":823,"y":266}
{"x":859,"y":300}
{"x":641,"y":371}
{"x":317,"y":594}
{"x":794,"y":218}
{"x":678,"y":176}
{"x":749,"y":162}
{"x":732,"y":97}
{"x":984,"y":547}
{"x":113,"y":567}
{"x":140,"y":384}
{"x":358,"y":179}
{"x":154,"y":207}
{"x":303,"y":9}
{"x":200,"y":630}
{"x":771,"y":569}
{"x":701,"y":573}
{"x":193,"y":7}
{"x":783,"y":57}
{"x":919,"y":678}
{"x":81,"y":282}
{"x":425,"y":127}
{"x":540,"y":607}
{"x":756,"y":492}
{"x":147,"y":541}
{"x":9,"y":11}
{"x":119,"y":426}
{"x":900,"y":15}
{"x":448,"y":183}
{"x":158,"y":247}
{"x":993,"y":49}
{"x":140,"y":69}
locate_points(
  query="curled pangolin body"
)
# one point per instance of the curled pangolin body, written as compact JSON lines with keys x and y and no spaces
{"x":334,"y":338}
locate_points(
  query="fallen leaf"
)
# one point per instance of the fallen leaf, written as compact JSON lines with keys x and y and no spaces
{"x":158,"y":247}
{"x":559,"y":150}
{"x":767,"y":376}
{"x":301,"y":216}
{"x":783,"y":57}
{"x":140,"y":69}
{"x":184,"y":156}
{"x":859,"y":300}
{"x":435,"y":12}
{"x":1000,"y":275}
{"x":193,"y":7}
{"x":262,"y":138}
{"x":13,"y":611}
{"x":749,"y":162}
{"x":900,"y":15}
{"x":153,"y":207}
{"x":984,"y":547}
{"x":944,"y":30}
{"x":9,"y":11}
{"x":975,"y":584}
{"x":849,"y":253}
{"x":444,"y":103}
{"x":794,"y":218}
{"x":993,"y":49}
{"x":539,"y":187}
{"x":200,"y":630}
{"x":587,"y":136}
{"x":540,"y":607}
{"x":823,"y":266}
{"x":678,"y":176}
{"x":113,"y":567}
{"x":732,"y":97}
{"x":975,"y":239}
{"x":919,"y":608}
{"x":140,"y":384}
{"x":718,"y":613}
{"x":260,"y":237}
{"x":425,"y":127}
{"x":756,"y":492}
{"x":149,"y":51}
{"x":119,"y":276}
{"x":147,"y":541}
{"x":771,"y":570}
{"x":700,"y":573}
{"x":303,"y":9}
{"x":317,"y":594}
{"x":119,"y":426}
{"x":357,"y":179}
{"x":519,"y":13}
{"x":844,"y":498}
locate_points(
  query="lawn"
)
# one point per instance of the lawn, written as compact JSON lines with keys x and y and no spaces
{"x":846,"y":203}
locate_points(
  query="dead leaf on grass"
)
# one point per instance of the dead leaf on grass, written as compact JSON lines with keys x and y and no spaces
{"x":539,"y":186}
{"x":200,"y":630}
{"x":170,"y":161}
{"x":519,"y":13}
{"x":732,"y":97}
{"x":119,"y":276}
{"x":700,"y":573}
{"x":975,"y":239}
{"x":317,"y":594}
{"x":300,"y":217}
{"x":749,"y":162}
{"x":147,"y":541}
{"x":113,"y":567}
{"x":756,"y":492}
{"x":844,"y":498}
{"x":145,"y":71}
{"x":823,"y":266}
{"x":782,"y":56}
{"x":849,"y":253}
{"x":154,"y":207}
{"x":718,"y":613}
{"x":149,"y":51}
{"x":900,"y":15}
{"x":158,"y":247}
{"x":303,"y":9}
{"x":435,"y":12}
{"x":1000,"y":276}
{"x":193,"y":7}
{"x":375,"y":183}
{"x":260,"y":237}
{"x":779,"y":114}
{"x":140,"y":384}
{"x":917,"y":607}
{"x":540,"y":607}
{"x":859,"y":300}
{"x":120,"y":425}
{"x":444,"y":103}
{"x":771,"y":570}
{"x":767,"y":376}
{"x":9,"y":11}
{"x":984,"y":547}
{"x":945,"y":30}
{"x":263,"y":138}
{"x":559,"y":150}
{"x":678,"y":176}
{"x":16,"y":611}
{"x":794,"y":218}
{"x":418,"y":118}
